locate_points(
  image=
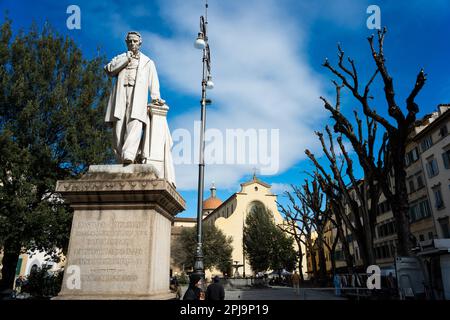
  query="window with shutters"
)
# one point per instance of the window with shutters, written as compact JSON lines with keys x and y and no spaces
{"x":439,"y":202}
{"x":411,"y":186}
{"x":425,"y":209}
{"x":446,"y":159}
{"x":443,"y":131}
{"x":432,"y":168}
{"x":412,"y":156}
{"x":426,"y":143}
{"x":420,"y":183}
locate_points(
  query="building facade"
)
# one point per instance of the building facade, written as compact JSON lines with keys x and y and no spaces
{"x":434,"y":141}
{"x":229,"y":216}
{"x":427,"y":165}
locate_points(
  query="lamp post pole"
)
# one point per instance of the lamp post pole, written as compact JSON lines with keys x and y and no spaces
{"x":202,"y":43}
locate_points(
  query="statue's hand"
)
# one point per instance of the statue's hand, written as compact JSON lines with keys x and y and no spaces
{"x":129,"y":55}
{"x":158,"y":102}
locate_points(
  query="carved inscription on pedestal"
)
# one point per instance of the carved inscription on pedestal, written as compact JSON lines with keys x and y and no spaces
{"x":111,"y":250}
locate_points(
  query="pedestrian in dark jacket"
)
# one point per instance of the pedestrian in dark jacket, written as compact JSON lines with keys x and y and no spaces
{"x":215,"y":290}
{"x":194,"y":291}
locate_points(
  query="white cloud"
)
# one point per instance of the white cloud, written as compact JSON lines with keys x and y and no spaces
{"x":280,"y":188}
{"x":262,"y":79}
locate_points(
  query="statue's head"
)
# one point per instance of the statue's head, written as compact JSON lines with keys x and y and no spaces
{"x":133,"y":41}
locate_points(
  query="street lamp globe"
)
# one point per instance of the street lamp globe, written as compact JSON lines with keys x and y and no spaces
{"x":209,"y":83}
{"x":200,"y":42}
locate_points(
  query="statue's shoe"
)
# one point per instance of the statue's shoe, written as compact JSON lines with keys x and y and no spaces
{"x":127,"y":161}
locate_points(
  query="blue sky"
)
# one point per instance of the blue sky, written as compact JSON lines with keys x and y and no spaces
{"x":266,"y":64}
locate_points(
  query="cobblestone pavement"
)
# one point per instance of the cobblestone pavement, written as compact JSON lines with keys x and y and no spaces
{"x":279,"y":293}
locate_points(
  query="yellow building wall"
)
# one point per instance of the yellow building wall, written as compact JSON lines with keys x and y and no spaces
{"x":232,"y":223}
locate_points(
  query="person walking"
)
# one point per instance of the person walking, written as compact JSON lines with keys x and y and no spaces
{"x":296,"y":282}
{"x":215,"y":290}
{"x":391,"y":284}
{"x":194,"y":291}
{"x":175,"y":287}
{"x":337,"y":284}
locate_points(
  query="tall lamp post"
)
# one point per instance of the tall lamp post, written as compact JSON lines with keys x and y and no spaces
{"x":202,"y":43}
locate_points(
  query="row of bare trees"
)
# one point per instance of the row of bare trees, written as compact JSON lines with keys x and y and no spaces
{"x":334,"y":196}
{"x":310,"y":222}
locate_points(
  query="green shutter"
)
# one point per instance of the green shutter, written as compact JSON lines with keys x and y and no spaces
{"x":19,"y":266}
{"x":446,"y":158}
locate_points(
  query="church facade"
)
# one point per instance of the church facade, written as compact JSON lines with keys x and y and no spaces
{"x":230,"y":215}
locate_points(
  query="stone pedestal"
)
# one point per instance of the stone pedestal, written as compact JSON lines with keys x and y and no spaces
{"x":120,"y":239}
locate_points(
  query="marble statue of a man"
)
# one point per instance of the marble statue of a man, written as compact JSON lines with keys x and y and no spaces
{"x":127,"y":106}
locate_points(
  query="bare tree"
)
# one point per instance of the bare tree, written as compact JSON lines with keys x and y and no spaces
{"x":314,"y":200}
{"x":356,"y":195}
{"x":388,"y":170}
{"x":314,"y":215}
{"x":299,"y":225}
{"x":337,"y":210}
{"x":332,"y":242}
{"x":292,"y":227}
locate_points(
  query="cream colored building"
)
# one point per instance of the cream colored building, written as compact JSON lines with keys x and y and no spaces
{"x":32,"y":259}
{"x":177,"y":227}
{"x":427,"y":167}
{"x":229,"y":216}
{"x":434,"y":141}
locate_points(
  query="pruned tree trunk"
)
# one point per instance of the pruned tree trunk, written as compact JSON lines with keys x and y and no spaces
{"x":300,"y":258}
{"x":396,"y":192}
{"x":314,"y":263}
{"x":344,"y":243}
{"x":332,"y":249}
{"x":322,"y":265}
